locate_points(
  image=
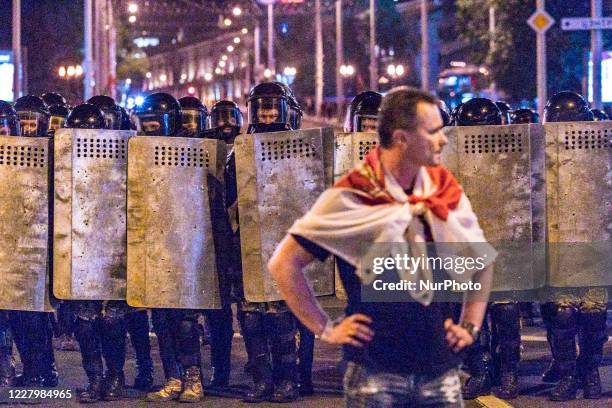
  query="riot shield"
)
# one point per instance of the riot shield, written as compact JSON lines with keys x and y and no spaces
{"x":172,"y":185}
{"x":349,"y":150}
{"x":279,"y":175}
{"x":501,"y":171}
{"x":89,"y":214}
{"x":579,"y":203}
{"x":24,"y":223}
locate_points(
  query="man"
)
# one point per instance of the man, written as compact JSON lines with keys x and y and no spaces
{"x":194,"y":116}
{"x":363,"y":112}
{"x":99,"y":327}
{"x":268,"y":328}
{"x":495,"y":357}
{"x":582,"y":313}
{"x":9,"y":126}
{"x":399,"y":353}
{"x":177,"y":330}
{"x":32,"y":331}
{"x":226,"y":121}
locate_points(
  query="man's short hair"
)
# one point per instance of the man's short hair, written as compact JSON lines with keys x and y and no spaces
{"x":398,"y":111}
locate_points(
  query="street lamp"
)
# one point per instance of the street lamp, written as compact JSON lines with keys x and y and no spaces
{"x":133,"y":8}
{"x":347,"y":70}
{"x":62,"y":71}
{"x":208,"y":77}
{"x":245,"y":31}
{"x":236,"y":40}
{"x":132,"y":19}
{"x":230,"y":48}
{"x":222,"y":64}
{"x":227,"y":22}
{"x":267,"y":73}
{"x":236,"y":11}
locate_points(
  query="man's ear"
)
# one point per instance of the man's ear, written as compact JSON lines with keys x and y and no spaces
{"x":399,"y":136}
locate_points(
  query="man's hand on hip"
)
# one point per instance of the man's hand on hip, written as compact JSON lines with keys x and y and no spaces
{"x":353,"y":330}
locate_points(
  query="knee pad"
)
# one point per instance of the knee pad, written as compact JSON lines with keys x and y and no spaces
{"x":564,"y":318}
{"x":507,"y":320}
{"x":188,"y":329}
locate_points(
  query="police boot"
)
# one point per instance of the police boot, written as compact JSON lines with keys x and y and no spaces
{"x":506,"y":319}
{"x":221,"y":335}
{"x":563,"y":328}
{"x":170,"y":391}
{"x":305,"y":357}
{"x":553,"y":372}
{"x":192,"y":386}
{"x":113,"y":330}
{"x":592,"y":337}
{"x":87,"y":335}
{"x":7,"y":364}
{"x":255,"y":340}
{"x":138,"y":328}
{"x":478,"y":362}
{"x":284,"y":356}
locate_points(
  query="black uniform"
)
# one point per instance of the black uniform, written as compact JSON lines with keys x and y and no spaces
{"x":178,"y":331}
{"x":32,"y":331}
{"x":494,"y":357}
{"x":581,"y":314}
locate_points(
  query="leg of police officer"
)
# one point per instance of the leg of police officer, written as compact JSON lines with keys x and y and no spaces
{"x":87,"y":333}
{"x":592,"y":337}
{"x":113,"y":335}
{"x":138,"y":328}
{"x":281,"y":337}
{"x":33,"y":338}
{"x":305,"y":358}
{"x":505,"y":317}
{"x":562,"y":325}
{"x":189,"y":355}
{"x":221,"y":333}
{"x":7,"y":365}
{"x":252,"y":322}
{"x":65,"y":325}
{"x":478,"y":361}
{"x":165,"y":324}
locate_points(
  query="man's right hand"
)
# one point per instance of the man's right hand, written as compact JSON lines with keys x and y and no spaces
{"x":353,"y":330}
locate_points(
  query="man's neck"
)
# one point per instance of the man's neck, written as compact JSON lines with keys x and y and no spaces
{"x":405,"y":173}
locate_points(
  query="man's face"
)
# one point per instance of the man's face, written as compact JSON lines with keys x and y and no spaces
{"x":369,"y":124}
{"x":150,"y":126}
{"x":28,"y":126}
{"x":424,"y":144}
{"x":267,"y":116}
{"x":56,"y":122}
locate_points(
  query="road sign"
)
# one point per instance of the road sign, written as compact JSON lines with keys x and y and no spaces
{"x":540,"y":21}
{"x":586,"y":23}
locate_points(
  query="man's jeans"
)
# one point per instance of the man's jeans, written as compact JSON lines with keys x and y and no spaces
{"x":364,"y":387}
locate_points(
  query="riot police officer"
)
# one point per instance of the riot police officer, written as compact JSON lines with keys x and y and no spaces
{"x":268,"y":328}
{"x":33,"y":116}
{"x":178,"y":331}
{"x":363,"y":112}
{"x":225,"y":124}
{"x":268,"y":108}
{"x":194,"y":116}
{"x":100,"y":327}
{"x":582,"y":314}
{"x":111,"y":111}
{"x":54,"y":99}
{"x":57,"y":119}
{"x":32,"y":331}
{"x":525,"y":115}
{"x":495,"y":356}
{"x":9,"y":126}
{"x":225,"y":121}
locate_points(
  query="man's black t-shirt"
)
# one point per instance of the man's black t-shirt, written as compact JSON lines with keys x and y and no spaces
{"x":409,"y":337}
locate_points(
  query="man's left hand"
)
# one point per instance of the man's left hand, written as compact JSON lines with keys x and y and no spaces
{"x":457,"y":337}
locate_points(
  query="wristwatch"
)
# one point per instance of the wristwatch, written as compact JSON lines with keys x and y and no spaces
{"x":471,"y":328}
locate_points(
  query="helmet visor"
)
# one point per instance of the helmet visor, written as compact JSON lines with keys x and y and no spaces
{"x":268,"y":111}
{"x":33,"y":123}
{"x":193,"y":120}
{"x":365,"y":123}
